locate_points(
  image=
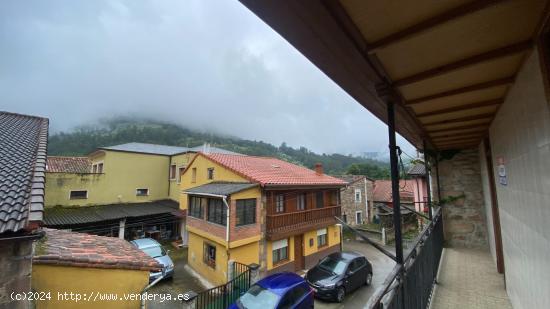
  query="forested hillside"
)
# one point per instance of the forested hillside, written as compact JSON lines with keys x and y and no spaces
{"x":84,"y":140}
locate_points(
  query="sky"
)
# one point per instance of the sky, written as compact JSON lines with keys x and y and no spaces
{"x":205,"y":64}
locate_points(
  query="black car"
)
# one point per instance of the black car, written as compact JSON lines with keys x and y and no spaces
{"x":339,"y":273}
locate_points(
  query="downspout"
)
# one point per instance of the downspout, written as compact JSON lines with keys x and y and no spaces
{"x":367,"y":200}
{"x":145,"y":289}
{"x":224,"y":198}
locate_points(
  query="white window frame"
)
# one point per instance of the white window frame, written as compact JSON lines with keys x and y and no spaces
{"x":280,"y":244}
{"x":355,"y":195}
{"x":359,"y":212}
{"x":148,"y":192}
{"x":83,"y":198}
{"x":178,"y":174}
{"x":302,"y":199}
{"x":173,"y":177}
{"x":321,"y":232}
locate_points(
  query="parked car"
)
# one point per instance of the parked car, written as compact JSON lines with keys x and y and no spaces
{"x":279,"y":291}
{"x":338,"y":274}
{"x":156,"y":251}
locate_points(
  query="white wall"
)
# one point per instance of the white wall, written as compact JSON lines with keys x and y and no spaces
{"x":487,"y":201}
{"x":520,"y":134}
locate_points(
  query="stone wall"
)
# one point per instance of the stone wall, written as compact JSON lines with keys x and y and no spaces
{"x":350,"y":206}
{"x":463,"y":219}
{"x":15,"y":271}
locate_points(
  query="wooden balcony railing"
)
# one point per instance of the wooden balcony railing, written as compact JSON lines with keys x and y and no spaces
{"x":297,"y":221}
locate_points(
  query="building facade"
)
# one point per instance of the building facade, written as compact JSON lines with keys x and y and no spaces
{"x":257,"y":210}
{"x":23,"y":143}
{"x":357,"y":199}
{"x":129,"y":190}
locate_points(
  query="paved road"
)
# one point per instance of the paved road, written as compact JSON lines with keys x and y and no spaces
{"x":381,"y":265}
{"x":182,"y":282}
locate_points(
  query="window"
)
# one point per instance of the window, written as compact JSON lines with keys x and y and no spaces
{"x":279,"y":203}
{"x":334,"y":196}
{"x":358,"y":195}
{"x":194,"y":175}
{"x":217,"y":212}
{"x":322,"y":238}
{"x":196,"y":206}
{"x":78,"y":194}
{"x":97,"y":168}
{"x":358,"y":217}
{"x":319,"y":199}
{"x":172,"y":172}
{"x":301,"y":202}
{"x":142,"y":192}
{"x":180,"y":173}
{"x":345,"y":218}
{"x":210,"y":173}
{"x":209,"y":257}
{"x":280,"y":250}
{"x":246,"y":212}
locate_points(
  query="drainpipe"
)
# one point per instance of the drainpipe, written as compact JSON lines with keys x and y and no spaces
{"x":367,"y":201}
{"x":427,"y":179}
{"x":145,"y":289}
{"x":224,"y":199}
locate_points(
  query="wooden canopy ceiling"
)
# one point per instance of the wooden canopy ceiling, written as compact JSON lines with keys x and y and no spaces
{"x":451,"y":62}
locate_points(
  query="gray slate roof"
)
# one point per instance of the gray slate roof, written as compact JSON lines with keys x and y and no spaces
{"x":59,"y":216}
{"x":417,"y":170}
{"x":23,"y":147}
{"x":221,"y":188}
{"x":163,"y":149}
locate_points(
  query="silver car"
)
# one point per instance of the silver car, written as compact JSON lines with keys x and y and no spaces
{"x":156,"y":251}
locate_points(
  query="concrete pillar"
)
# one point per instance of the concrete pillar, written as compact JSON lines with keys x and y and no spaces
{"x":254,"y":273}
{"x":121,"y":225}
{"x":190,"y":300}
{"x":230,"y":270}
{"x":184,"y":233}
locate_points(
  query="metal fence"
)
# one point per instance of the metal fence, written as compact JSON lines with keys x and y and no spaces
{"x":410,"y":285}
{"x":224,"y":295}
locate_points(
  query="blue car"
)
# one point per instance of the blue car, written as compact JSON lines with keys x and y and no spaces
{"x":156,"y":251}
{"x":279,"y":291}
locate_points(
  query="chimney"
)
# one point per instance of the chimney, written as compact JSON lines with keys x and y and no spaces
{"x":319,"y":169}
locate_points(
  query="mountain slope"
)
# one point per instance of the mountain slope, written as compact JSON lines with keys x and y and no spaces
{"x":119,"y":130}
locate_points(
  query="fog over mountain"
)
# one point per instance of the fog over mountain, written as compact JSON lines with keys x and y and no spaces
{"x":204,"y":64}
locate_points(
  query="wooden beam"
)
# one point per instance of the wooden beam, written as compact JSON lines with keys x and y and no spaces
{"x":462,"y":107}
{"x":458,"y":128}
{"x":480,"y":86}
{"x":430,"y":23}
{"x":483,"y":57}
{"x":465,"y":146}
{"x":457,"y":134}
{"x":461,"y":119}
{"x":446,"y":138}
{"x":463,"y":142}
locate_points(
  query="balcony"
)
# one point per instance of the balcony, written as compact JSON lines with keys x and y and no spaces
{"x":287,"y":224}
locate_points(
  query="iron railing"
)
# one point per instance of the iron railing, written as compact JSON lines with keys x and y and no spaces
{"x":222,"y":296}
{"x":410,"y":285}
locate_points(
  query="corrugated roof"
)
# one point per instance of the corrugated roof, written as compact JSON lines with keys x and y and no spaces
{"x":23,"y":147}
{"x":91,"y":251}
{"x":419,"y":169}
{"x":148,"y":148}
{"x":59,"y":216}
{"x":222,"y":188}
{"x":165,"y":149}
{"x":58,"y":164}
{"x":383,"y":193}
{"x":271,"y":171}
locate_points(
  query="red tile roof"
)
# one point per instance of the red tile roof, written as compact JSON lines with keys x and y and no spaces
{"x":382,"y":190}
{"x":68,"y":165}
{"x":85,"y":250}
{"x":271,"y":171}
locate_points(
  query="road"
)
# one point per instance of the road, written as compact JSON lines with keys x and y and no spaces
{"x":381,"y":265}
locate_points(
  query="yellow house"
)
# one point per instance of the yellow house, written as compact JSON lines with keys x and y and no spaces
{"x":144,"y":176}
{"x":86,"y":271}
{"x":257,"y":210}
